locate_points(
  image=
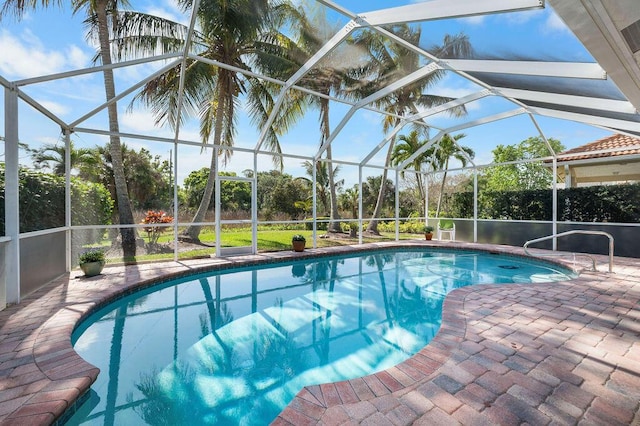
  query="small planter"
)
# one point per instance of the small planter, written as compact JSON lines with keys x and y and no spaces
{"x":428,"y":232}
{"x":91,"y":269}
{"x":298,"y":242}
{"x":92,"y":262}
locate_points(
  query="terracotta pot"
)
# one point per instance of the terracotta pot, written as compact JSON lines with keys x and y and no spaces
{"x":91,"y":269}
{"x":298,"y":245}
{"x":428,"y":236}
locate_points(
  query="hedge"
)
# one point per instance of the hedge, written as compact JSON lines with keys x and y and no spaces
{"x":605,"y":203}
{"x":42,"y":203}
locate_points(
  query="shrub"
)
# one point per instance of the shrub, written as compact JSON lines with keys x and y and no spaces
{"x":320,"y":226}
{"x":298,"y":237}
{"x":92,"y":256}
{"x":42,"y":203}
{"x":154,"y":218}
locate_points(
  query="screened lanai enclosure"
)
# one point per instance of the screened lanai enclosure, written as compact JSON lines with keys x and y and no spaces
{"x":206,"y":128}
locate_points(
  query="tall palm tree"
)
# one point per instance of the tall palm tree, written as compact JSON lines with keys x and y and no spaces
{"x":446,"y":149}
{"x":407,"y":146}
{"x":393,"y":61}
{"x":311,"y":31}
{"x":234,"y":33}
{"x":102,"y":19}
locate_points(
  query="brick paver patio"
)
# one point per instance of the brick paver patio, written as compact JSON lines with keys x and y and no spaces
{"x":558,"y":353}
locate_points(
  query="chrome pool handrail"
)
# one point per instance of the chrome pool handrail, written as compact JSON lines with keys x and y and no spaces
{"x":578,"y":231}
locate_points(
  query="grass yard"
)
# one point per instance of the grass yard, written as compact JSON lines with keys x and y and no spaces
{"x":268,"y":240}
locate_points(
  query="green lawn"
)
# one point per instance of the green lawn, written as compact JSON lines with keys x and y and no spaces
{"x":268,"y":240}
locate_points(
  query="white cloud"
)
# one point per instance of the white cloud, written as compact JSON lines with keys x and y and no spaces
{"x":26,"y":57}
{"x":55,"y":107}
{"x":474,"y":20}
{"x":520,"y":18}
{"x":554,"y":24}
{"x":77,"y":57}
{"x":171,"y":11}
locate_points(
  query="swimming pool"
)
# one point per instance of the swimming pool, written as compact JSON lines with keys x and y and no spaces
{"x":234,"y":347}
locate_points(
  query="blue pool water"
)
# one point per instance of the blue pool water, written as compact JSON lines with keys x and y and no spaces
{"x":235,"y":347}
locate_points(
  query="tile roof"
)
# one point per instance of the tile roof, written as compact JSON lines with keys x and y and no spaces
{"x":592,"y":149}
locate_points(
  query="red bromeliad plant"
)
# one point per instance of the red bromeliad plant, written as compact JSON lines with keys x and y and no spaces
{"x":155,"y":217}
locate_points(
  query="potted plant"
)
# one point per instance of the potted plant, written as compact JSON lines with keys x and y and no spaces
{"x":92,"y":262}
{"x":353,"y":229}
{"x":298,"y":241}
{"x":428,"y":232}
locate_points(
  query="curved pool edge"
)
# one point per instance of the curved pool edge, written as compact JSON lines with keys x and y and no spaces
{"x":58,"y":376}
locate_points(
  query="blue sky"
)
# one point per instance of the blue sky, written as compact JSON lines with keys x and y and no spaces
{"x":52,"y":41}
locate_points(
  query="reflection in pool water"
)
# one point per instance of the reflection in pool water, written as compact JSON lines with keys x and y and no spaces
{"x":236,"y":347}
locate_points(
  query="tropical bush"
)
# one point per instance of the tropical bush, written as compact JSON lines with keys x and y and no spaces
{"x":154,"y":218}
{"x":602,"y":203}
{"x":42,"y":202}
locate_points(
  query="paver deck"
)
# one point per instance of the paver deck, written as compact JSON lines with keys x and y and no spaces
{"x":558,"y":353}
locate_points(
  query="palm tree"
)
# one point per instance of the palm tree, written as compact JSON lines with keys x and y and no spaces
{"x":446,"y":149}
{"x":393,"y":61}
{"x":328,"y":78}
{"x":102,"y":16}
{"x":324,"y":181}
{"x":234,"y":33}
{"x":407,"y":146}
{"x":52,"y":156}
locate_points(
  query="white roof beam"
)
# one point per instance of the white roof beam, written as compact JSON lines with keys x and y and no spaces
{"x":381,"y":145}
{"x":485,"y":120}
{"x":183,"y":66}
{"x":448,"y":105}
{"x":442,"y":9}
{"x":92,"y":70}
{"x":411,"y":78}
{"x":400,"y":83}
{"x":546,"y":69}
{"x":124,"y":93}
{"x":569,"y":100}
{"x":424,"y":114}
{"x":611,"y":124}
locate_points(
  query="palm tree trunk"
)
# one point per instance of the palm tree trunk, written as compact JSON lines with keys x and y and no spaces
{"x":334,"y":224}
{"x":125,"y":213}
{"x":192,"y":233}
{"x":373,"y":224}
{"x":420,"y":190}
{"x":444,"y":178}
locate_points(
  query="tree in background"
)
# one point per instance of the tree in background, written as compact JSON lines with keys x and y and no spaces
{"x":102,"y":19}
{"x":407,"y":146}
{"x":392,"y":61}
{"x":331,"y":77}
{"x":527,"y":175}
{"x":325,"y":181}
{"x":349,"y":200}
{"x":234,"y":195}
{"x":52,"y":157}
{"x":370,"y":194}
{"x":235,"y":33}
{"x":447,"y":148}
{"x":148,"y":177}
{"x":281,"y":193}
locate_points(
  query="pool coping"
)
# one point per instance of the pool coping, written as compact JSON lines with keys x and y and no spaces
{"x":41,"y":376}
